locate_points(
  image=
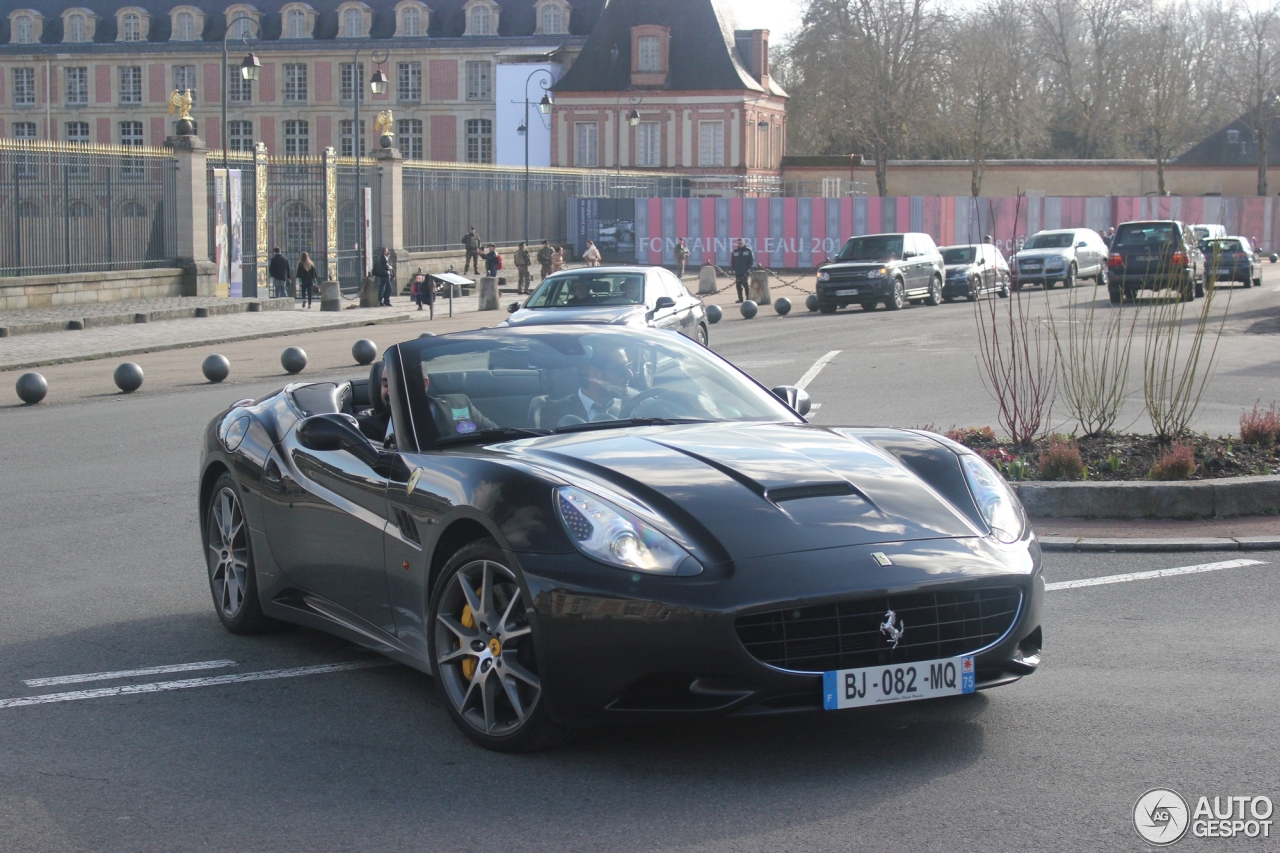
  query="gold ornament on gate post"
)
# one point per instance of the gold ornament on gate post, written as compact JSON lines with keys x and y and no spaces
{"x":383,"y":124}
{"x":182,"y":103}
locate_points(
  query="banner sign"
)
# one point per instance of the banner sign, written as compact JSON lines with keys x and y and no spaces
{"x":221,"y":233}
{"x":236,"y":254}
{"x":368,"y":231}
{"x":801,"y":233}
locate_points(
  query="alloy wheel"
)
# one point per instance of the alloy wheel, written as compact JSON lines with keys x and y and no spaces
{"x":484,"y":649}
{"x":899,"y":297}
{"x":228,"y":552}
{"x":935,"y":292}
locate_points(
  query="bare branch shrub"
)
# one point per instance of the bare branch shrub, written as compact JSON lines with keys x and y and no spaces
{"x":1093,"y":359}
{"x":1018,"y":364}
{"x":1180,"y":348}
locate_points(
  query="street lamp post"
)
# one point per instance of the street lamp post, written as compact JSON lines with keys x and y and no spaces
{"x":544,"y":107}
{"x":633,"y":119}
{"x":249,"y":68}
{"x":377,"y":85}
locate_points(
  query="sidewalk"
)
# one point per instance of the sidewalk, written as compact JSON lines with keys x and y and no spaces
{"x":1259,"y":532}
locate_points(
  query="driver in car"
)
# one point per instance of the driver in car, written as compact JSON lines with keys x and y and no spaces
{"x":603,"y":381}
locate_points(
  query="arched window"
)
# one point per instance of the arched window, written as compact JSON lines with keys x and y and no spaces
{"x":242,"y":26}
{"x":184,"y":27}
{"x":130,"y":27}
{"x":298,"y":231}
{"x":28,"y":208}
{"x":80,"y":209}
{"x":24,"y":30}
{"x":411,"y":22}
{"x":353,"y":24}
{"x":552,"y":19}
{"x":296,"y":27}
{"x":75,"y":28}
{"x":481,"y":21}
{"x":133,"y":209}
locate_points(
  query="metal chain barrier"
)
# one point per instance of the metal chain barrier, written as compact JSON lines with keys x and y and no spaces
{"x":777,"y":281}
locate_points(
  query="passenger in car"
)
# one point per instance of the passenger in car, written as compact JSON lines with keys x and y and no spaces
{"x":603,"y":384}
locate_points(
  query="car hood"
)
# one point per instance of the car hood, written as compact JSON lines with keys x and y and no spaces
{"x":745,"y":491}
{"x":856,"y":265}
{"x":962,"y":268}
{"x":1026,"y":254}
{"x":621,"y":315}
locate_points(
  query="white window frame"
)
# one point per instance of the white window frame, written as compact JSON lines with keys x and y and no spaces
{"x":130,"y":78}
{"x":297,"y":138}
{"x":295,"y":83}
{"x":711,"y":143}
{"x":24,"y":87}
{"x":240,"y":135}
{"x":295,"y":23}
{"x":78,"y":138}
{"x":553,"y":19}
{"x":346,"y":89}
{"x":344,"y":135}
{"x":409,"y":82}
{"x":586,"y":144}
{"x":183,"y":75}
{"x":411,"y":22}
{"x":478,"y":133}
{"x":77,"y":28}
{"x":353,"y":16}
{"x":77,"y":86}
{"x":480,"y":21}
{"x":24,"y":130}
{"x":242,"y":25}
{"x":649,"y":54}
{"x":479,"y":74}
{"x":649,"y":143}
{"x":239,"y":90}
{"x":130,"y":27}
{"x":24,"y":30}
{"x":409,"y":137}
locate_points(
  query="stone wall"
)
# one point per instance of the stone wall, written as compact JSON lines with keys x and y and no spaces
{"x":48,"y":291}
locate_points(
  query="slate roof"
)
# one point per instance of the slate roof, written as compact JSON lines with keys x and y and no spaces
{"x":1217,"y":149}
{"x":702,"y":52}
{"x":448,"y":19}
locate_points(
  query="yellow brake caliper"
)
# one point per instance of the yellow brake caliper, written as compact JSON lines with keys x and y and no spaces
{"x":468,"y":621}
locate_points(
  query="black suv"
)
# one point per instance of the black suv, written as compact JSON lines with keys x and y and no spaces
{"x":1162,"y":254}
{"x":889,"y":268}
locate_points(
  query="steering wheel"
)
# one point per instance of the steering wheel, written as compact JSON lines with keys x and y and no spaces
{"x":687,"y":401}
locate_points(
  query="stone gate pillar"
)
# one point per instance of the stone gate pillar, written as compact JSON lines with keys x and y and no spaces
{"x":191,"y":218}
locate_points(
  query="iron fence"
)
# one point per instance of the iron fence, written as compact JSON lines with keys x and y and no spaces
{"x":349,"y":275}
{"x":297,"y":219}
{"x":85,"y":208}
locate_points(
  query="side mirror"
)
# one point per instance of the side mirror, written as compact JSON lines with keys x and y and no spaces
{"x":906,"y":256}
{"x":513,"y":307}
{"x":982,"y":262}
{"x":1082,"y":245}
{"x":330,"y":432}
{"x":664,"y":302}
{"x":796,"y":398}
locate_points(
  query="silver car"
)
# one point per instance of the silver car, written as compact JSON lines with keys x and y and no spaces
{"x":616,"y":296}
{"x":1065,"y":255}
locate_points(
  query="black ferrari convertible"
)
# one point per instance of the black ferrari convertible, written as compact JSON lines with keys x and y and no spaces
{"x":567,"y":525}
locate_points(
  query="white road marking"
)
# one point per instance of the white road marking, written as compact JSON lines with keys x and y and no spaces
{"x":814,"y":407}
{"x":812,"y":373}
{"x":1157,"y":573}
{"x":1275,"y":290}
{"x":182,"y":684}
{"x":127,"y":673}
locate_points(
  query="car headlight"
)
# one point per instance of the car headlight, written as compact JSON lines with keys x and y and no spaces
{"x":996,"y":501}
{"x":824,"y":276}
{"x":611,"y":534}
{"x":880,"y":273}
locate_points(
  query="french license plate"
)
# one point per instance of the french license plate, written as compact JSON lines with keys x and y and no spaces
{"x":906,"y":682}
{"x":1226,"y":272}
{"x":848,"y":291}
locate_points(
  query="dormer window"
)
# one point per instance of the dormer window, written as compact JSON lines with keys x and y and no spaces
{"x":352,"y":24}
{"x":130,"y":27}
{"x":184,"y":27}
{"x":75,"y":28}
{"x":1233,"y":137}
{"x":650,"y":54}
{"x":24,"y":29}
{"x":297,"y":21}
{"x":649,"y":46}
{"x":411,"y":19}
{"x":242,"y":22}
{"x":482,"y":18}
{"x":553,"y":19}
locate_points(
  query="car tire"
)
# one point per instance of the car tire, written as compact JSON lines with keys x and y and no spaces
{"x":704,"y":337}
{"x":1257,"y":282}
{"x":495,"y":698}
{"x":824,"y":308}
{"x":869,"y":306}
{"x":1070,"y":280}
{"x":1199,"y":289}
{"x":935,"y":292}
{"x":233,"y":577}
{"x":898,"y":299}
{"x":1113,"y":290}
{"x":948,"y":299}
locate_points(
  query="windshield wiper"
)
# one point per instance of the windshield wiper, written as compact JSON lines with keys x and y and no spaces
{"x":492,"y":435}
{"x":630,"y":422}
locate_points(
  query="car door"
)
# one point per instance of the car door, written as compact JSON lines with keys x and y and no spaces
{"x":326,"y":526}
{"x":655,"y":287}
{"x":686,"y":305}
{"x":911,"y":264}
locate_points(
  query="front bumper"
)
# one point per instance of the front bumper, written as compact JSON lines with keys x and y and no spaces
{"x":1040,"y":277}
{"x":954,"y":288}
{"x":615,"y":644}
{"x":867,"y":290}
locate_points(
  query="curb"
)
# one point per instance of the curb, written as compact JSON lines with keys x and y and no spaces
{"x":125,"y":318}
{"x":229,"y":339}
{"x":1152,"y":546}
{"x":1139,"y":499}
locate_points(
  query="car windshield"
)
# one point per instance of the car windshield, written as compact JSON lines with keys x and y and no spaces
{"x":588,"y":290}
{"x":1050,"y":241}
{"x":881,"y":247}
{"x":958,"y":255}
{"x":1226,"y":246}
{"x":492,"y":384}
{"x":1144,"y":234}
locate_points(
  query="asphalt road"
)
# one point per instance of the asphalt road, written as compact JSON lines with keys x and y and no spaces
{"x":1162,"y":682}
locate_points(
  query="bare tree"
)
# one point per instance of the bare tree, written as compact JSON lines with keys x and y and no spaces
{"x":1255,"y":77}
{"x":1020,"y":96}
{"x":973,"y":81}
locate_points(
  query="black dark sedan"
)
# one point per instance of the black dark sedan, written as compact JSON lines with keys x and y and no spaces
{"x":1231,"y":259}
{"x":568,"y":525}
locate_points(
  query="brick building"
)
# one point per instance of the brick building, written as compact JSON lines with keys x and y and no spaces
{"x":102,"y":72}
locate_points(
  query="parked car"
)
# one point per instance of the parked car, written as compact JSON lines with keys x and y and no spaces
{"x":618,"y":296}
{"x":1065,"y":255}
{"x":974,"y":270}
{"x":1230,"y":259}
{"x":1161,"y":254}
{"x":697,"y":550}
{"x":891,"y":268}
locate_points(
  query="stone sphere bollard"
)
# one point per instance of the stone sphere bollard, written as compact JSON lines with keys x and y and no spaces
{"x":782,"y":305}
{"x":31,"y":388}
{"x":714,"y":314}
{"x":216,"y":368}
{"x":749,"y":310}
{"x":293,"y":360}
{"x":1274,"y":257}
{"x":128,"y":377}
{"x":364,"y":351}
{"x":811,"y":302}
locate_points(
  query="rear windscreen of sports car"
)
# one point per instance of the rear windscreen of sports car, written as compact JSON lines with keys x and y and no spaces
{"x":550,"y":380}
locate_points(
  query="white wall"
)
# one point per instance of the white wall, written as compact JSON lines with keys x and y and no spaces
{"x":510,"y":92}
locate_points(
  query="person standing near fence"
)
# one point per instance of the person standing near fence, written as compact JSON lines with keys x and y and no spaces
{"x":742,"y":262}
{"x":278,"y":269}
{"x":557,"y":260}
{"x":492,"y":261}
{"x":471,"y":243}
{"x":546,"y":257}
{"x":522,"y":269}
{"x":424,"y":292}
{"x":383,"y":273}
{"x":682,"y":257}
{"x":591,"y":255}
{"x":306,"y":277}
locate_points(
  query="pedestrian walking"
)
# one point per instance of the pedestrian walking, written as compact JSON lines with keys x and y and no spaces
{"x":278,"y":269}
{"x":424,"y":292}
{"x":306,"y":277}
{"x":523,"y":260}
{"x":492,"y":261}
{"x":557,"y":260}
{"x":471,"y":242}
{"x":591,"y":255}
{"x":546,"y":258}
{"x":742,"y":261}
{"x":682,"y":257}
{"x":383,"y":273}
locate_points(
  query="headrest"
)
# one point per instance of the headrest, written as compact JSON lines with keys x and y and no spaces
{"x":375,"y":389}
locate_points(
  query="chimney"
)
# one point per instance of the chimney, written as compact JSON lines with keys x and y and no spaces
{"x":753,"y":51}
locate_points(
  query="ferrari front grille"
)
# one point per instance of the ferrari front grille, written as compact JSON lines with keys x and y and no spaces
{"x":848,"y":634}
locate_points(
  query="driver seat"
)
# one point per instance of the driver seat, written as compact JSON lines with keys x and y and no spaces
{"x":380,"y":414}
